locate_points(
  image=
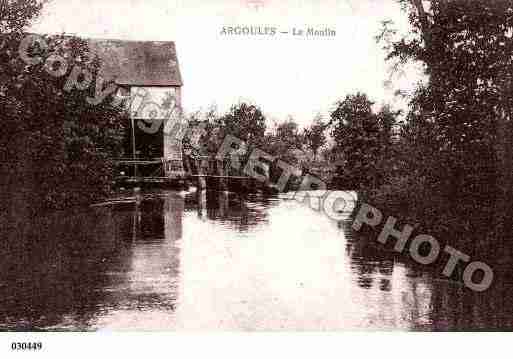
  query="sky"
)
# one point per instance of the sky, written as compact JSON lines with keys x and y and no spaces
{"x":285,"y":75}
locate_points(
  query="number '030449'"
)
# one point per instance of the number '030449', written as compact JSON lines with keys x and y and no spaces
{"x":27,"y":346}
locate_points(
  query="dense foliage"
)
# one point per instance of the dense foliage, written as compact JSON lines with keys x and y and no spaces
{"x":362,"y":142}
{"x":54,"y":145}
{"x":315,"y":136}
{"x":453,"y":162}
{"x":285,"y":142}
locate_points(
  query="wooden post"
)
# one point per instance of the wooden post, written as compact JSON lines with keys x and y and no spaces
{"x":134,"y":156}
{"x":202,"y":203}
{"x":202,"y":182}
{"x":223,"y":203}
{"x":187,"y":161}
{"x":220,"y":172}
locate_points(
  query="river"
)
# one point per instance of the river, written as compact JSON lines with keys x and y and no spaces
{"x":186,"y":261}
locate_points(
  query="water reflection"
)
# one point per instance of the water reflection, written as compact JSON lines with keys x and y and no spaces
{"x":71,"y":268}
{"x":220,"y":261}
{"x":239,"y":211}
{"x":433,"y":303}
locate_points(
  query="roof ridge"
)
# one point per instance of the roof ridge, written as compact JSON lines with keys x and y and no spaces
{"x":128,"y":41}
{"x":99,"y":38}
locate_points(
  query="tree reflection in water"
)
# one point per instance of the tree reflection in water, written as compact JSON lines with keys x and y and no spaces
{"x":68,"y":267}
{"x":449,"y":306}
{"x":165,"y":260}
{"x":239,"y":211}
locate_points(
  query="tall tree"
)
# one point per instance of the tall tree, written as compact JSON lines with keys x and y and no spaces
{"x":15,"y":166}
{"x":288,"y":134}
{"x":315,"y":136}
{"x":359,"y":138}
{"x":55,"y":146}
{"x":462,"y":115}
{"x":244,"y":121}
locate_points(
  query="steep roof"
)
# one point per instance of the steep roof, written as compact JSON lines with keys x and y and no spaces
{"x":138,"y":63}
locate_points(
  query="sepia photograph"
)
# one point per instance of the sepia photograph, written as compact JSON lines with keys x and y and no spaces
{"x":255,"y":166}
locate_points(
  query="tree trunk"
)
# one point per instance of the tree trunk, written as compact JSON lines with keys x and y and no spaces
{"x":426,"y":28}
{"x":504,"y":150}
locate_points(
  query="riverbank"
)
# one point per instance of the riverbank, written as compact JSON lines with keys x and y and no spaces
{"x":476,"y":228}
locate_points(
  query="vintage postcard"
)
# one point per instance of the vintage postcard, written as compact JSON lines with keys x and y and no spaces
{"x":255,"y":166}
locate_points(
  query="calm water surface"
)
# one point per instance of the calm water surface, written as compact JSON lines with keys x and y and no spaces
{"x":175,"y":261}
